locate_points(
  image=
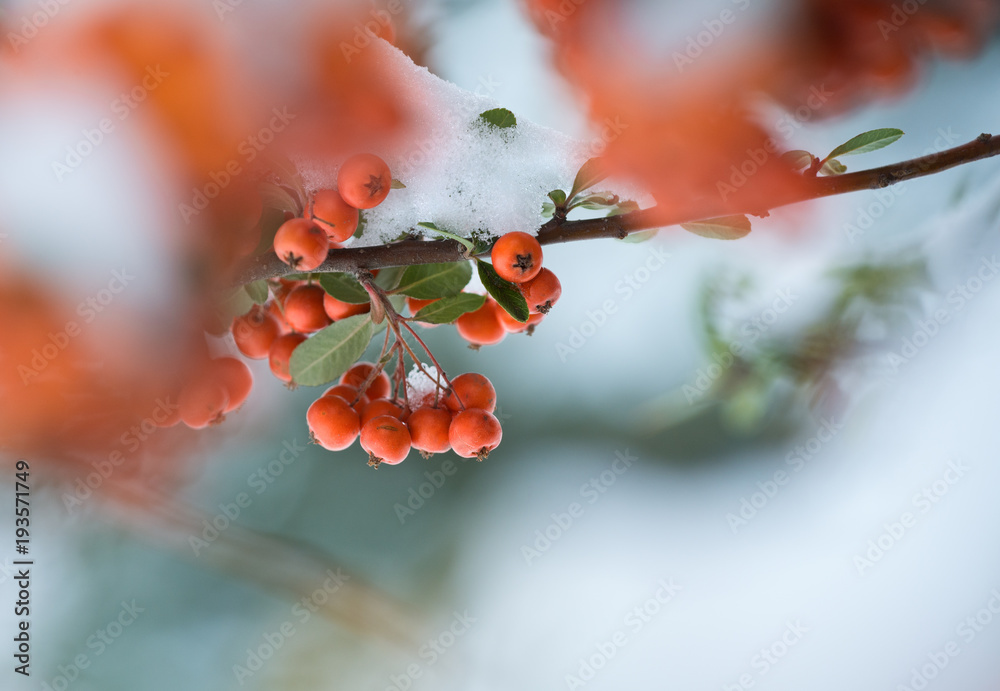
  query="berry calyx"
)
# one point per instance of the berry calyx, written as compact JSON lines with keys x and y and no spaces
{"x":364,"y":181}
{"x":333,"y":423}
{"x":304,"y":309}
{"x":483,"y":326}
{"x":335,"y":216}
{"x":429,"y":430}
{"x":474,"y":433}
{"x":301,"y":244}
{"x":471,"y":390}
{"x":517,"y":257}
{"x":542,"y":292}
{"x":386,"y":439}
{"x":281,"y":354}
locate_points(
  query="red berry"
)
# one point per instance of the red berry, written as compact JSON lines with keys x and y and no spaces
{"x":474,"y":391}
{"x":301,"y":244}
{"x":474,"y":433}
{"x":349,"y":394}
{"x":429,"y":429}
{"x":386,"y":439}
{"x":542,"y":292}
{"x":380,"y":406}
{"x":334,"y":424}
{"x":304,"y":309}
{"x":236,"y":378}
{"x":359,"y":373}
{"x":517,"y":257}
{"x":483,"y":326}
{"x":337,"y":310}
{"x":281,"y":354}
{"x":338,"y":218}
{"x":513,"y":326}
{"x":364,"y":181}
{"x":254,"y":332}
{"x":203,"y":402}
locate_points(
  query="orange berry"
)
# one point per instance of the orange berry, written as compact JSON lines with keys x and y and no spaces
{"x":301,"y":244}
{"x":236,"y":378}
{"x":364,"y":181}
{"x":429,"y":429}
{"x":359,"y":373}
{"x":386,"y":439}
{"x":513,"y":326}
{"x":333,"y":423}
{"x":542,"y":292}
{"x":203,"y":402}
{"x":349,"y":394}
{"x":380,"y":406}
{"x":337,"y":310}
{"x":304,"y":310}
{"x":281,"y":354}
{"x":471,"y":390}
{"x":483,"y":326}
{"x":254,"y":332}
{"x":517,"y":257}
{"x":474,"y":433}
{"x":338,"y":218}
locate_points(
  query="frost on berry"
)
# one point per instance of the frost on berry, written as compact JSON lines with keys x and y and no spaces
{"x":420,"y":388}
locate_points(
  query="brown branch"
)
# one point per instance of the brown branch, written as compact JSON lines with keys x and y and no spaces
{"x":412,"y":252}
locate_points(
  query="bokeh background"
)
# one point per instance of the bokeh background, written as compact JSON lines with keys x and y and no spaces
{"x":555,"y":564}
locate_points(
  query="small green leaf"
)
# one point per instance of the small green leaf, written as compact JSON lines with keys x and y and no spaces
{"x":361,"y":225}
{"x":558,"y":197}
{"x":447,"y":310}
{"x":451,"y":236}
{"x":548,"y":209}
{"x":723,"y":228}
{"x":641,"y":236}
{"x":330,"y":352}
{"x":596,"y":202}
{"x":500,"y":118}
{"x":833,"y":167}
{"x":589,"y":175}
{"x":504,"y":292}
{"x":344,"y":287}
{"x":277,"y":197}
{"x":258,"y":291}
{"x":389,"y":277}
{"x":797,"y":159}
{"x":867,"y":141}
{"x":270,"y":221}
{"x":397,"y":184}
{"x":234,"y":304}
{"x":432,"y":281}
{"x":625,"y":207}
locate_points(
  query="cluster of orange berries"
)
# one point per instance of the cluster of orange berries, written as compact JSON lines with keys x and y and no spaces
{"x":221,"y":386}
{"x":363,"y":182}
{"x":459,"y":418}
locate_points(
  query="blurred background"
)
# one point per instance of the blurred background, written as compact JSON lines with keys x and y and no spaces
{"x":817,"y":513}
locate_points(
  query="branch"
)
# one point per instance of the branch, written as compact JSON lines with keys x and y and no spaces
{"x":412,"y":252}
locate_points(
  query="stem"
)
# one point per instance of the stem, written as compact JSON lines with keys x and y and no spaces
{"x":413,"y":252}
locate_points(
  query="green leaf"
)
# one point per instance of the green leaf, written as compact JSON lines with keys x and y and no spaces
{"x":361,"y":225}
{"x":867,"y":141}
{"x":558,"y":197}
{"x":797,"y":158}
{"x":548,"y":209}
{"x":833,"y":167}
{"x":589,"y":175}
{"x":344,"y":287}
{"x":432,"y":281}
{"x":397,"y":184}
{"x":452,"y":236}
{"x":601,"y":200}
{"x":277,"y":197}
{"x":234,"y":304}
{"x":270,"y":221}
{"x":625,"y":207}
{"x":258,"y":291}
{"x":447,"y":310}
{"x":330,"y":352}
{"x":504,"y":292}
{"x":389,"y":277}
{"x":723,"y":228}
{"x":500,"y":118}
{"x":642,"y":236}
